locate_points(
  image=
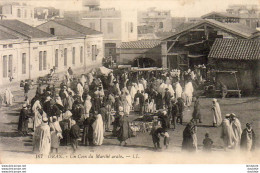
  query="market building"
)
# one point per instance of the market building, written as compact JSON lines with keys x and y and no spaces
{"x":142,"y":53}
{"x":240,"y":55}
{"x":192,"y":45}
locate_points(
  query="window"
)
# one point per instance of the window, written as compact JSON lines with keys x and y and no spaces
{"x":24,"y":63}
{"x":4,"y":66}
{"x":52,"y":31}
{"x":10,"y":45}
{"x":19,"y":13}
{"x":56,"y":58}
{"x":25,"y":13}
{"x":10,"y":65}
{"x":40,"y":61}
{"x":94,"y":52}
{"x":73,"y":55}
{"x":161,"y":25}
{"x":131,"y":27}
{"x":110,"y":27}
{"x":5,"y":46}
{"x":81,"y":54}
{"x":92,"y":25}
{"x":65,"y":57}
{"x":44,"y":60}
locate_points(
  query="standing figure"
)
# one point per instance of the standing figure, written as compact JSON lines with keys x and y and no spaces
{"x":98,"y":131}
{"x":207,"y":143}
{"x":174,"y":112}
{"x":74,"y":135}
{"x":236,"y":126}
{"x":26,"y":89}
{"x":124,"y":131}
{"x":23,"y":121}
{"x":8,"y":97}
{"x":87,"y":106}
{"x":217,"y":118}
{"x":189,"y":142}
{"x":227,"y":133}
{"x":56,"y":134}
{"x":188,"y":92}
{"x":42,"y":138}
{"x":196,"y":115}
{"x":248,"y":138}
{"x":178,"y":89}
{"x":156,"y":134}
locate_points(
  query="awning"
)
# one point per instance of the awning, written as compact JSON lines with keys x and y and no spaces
{"x":196,"y":56}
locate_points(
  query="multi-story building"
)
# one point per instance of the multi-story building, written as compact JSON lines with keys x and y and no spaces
{"x":19,"y":11}
{"x":248,"y":15}
{"x":160,"y":20}
{"x":117,"y":26}
{"x":27,"y":52}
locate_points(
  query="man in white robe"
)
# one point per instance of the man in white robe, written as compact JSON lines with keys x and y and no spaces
{"x":133,"y":91}
{"x":188,"y":91}
{"x":87,"y":106}
{"x":37,"y":115}
{"x":217,"y":117}
{"x":236,"y":126}
{"x":8,"y":97}
{"x":42,"y":138}
{"x":178,"y":89}
{"x":80,"y":89}
{"x":127,"y":102}
{"x":227,"y":133}
{"x":140,"y":86}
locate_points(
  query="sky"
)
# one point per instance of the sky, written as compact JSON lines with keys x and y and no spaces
{"x":179,"y":8}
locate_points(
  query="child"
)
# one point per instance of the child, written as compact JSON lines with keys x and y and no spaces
{"x":166,"y":139}
{"x":156,"y":133}
{"x":152,"y":106}
{"x":207,"y":143}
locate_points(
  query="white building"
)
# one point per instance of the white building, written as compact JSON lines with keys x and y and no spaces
{"x":27,"y":52}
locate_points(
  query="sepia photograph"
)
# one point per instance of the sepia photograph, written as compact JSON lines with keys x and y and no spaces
{"x":130,"y":82}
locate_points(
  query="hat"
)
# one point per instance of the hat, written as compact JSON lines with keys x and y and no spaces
{"x":54,"y":117}
{"x":164,"y":112}
{"x":120,"y":109}
{"x":24,"y":105}
{"x":45,"y":119}
{"x":227,"y":115}
{"x":73,"y":122}
{"x":214,"y":100}
{"x":233,"y":115}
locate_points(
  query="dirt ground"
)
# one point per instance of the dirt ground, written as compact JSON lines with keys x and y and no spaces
{"x":17,"y":149}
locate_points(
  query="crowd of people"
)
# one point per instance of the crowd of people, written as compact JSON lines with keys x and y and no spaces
{"x":84,"y":108}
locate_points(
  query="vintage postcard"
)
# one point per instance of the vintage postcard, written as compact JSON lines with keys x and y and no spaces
{"x":129,"y":81}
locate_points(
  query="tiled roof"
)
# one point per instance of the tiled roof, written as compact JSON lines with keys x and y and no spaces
{"x":236,"y":49}
{"x":141,"y":44}
{"x":24,"y":29}
{"x":223,"y":14}
{"x":6,"y":36}
{"x":77,"y":27}
{"x":234,"y":28}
